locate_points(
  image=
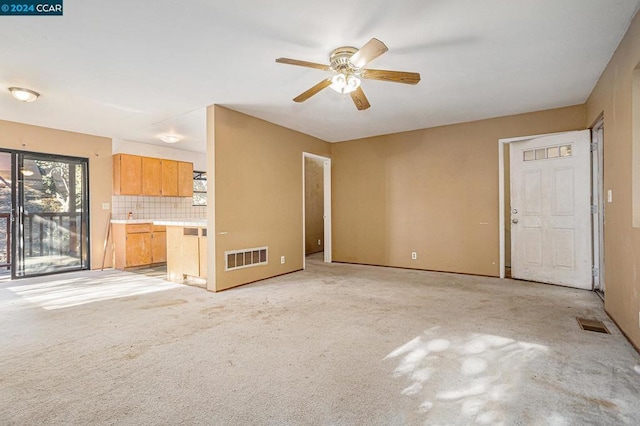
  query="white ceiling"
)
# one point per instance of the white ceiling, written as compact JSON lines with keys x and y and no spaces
{"x":133,"y":70}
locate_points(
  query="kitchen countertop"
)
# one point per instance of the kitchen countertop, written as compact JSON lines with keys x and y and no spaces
{"x":198,"y":222}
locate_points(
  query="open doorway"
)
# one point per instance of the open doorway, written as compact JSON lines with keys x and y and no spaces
{"x":313,"y":206}
{"x":316,"y":206}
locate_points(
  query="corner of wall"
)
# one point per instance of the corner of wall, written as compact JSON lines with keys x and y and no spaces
{"x":211,"y":199}
{"x":258,"y":192}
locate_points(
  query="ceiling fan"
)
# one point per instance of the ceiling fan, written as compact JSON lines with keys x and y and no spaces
{"x":348,"y":65}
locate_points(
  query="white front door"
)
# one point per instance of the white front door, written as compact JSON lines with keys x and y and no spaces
{"x":551,"y":209}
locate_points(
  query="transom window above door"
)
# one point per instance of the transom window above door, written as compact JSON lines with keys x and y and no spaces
{"x":547,"y":153}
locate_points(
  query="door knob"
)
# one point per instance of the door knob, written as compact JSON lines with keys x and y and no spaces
{"x":514,"y":220}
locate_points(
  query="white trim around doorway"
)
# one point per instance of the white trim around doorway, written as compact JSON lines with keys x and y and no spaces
{"x":327,"y":207}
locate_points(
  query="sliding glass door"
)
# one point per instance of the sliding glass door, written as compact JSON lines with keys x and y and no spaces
{"x":6,"y":212}
{"x":52,"y":220}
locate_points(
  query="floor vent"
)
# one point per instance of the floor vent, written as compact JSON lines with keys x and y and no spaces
{"x":244,"y":258}
{"x":592,"y":325}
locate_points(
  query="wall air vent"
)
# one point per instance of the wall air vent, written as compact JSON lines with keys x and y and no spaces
{"x":244,"y":258}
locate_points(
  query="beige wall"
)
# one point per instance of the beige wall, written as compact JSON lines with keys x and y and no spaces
{"x":432,"y":191}
{"x":612,"y":96}
{"x":258,"y":192}
{"x":98,"y":150}
{"x":314,"y":205}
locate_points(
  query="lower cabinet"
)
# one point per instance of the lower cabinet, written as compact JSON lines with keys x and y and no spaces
{"x":139,"y":244}
{"x":187,"y":253}
{"x":191,"y":259}
{"x":137,"y":249}
{"x":159,"y":244}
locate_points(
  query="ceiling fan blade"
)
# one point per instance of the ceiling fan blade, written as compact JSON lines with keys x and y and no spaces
{"x":367,"y":53}
{"x":303,"y":64}
{"x":360,"y":99}
{"x":315,"y":89}
{"x":393,"y":76}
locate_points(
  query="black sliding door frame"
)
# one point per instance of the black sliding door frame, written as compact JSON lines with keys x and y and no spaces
{"x":37,"y":232}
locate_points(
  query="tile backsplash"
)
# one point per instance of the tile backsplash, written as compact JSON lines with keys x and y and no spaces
{"x":155,"y":207}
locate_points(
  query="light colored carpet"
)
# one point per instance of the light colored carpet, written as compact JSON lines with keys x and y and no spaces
{"x":335,"y":344}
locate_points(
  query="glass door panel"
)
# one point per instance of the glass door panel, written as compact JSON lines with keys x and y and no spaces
{"x":52,"y":228}
{"x":6,"y":209}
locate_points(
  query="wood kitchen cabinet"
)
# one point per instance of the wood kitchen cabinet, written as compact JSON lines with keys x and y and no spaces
{"x":127,"y":174}
{"x":169,"y":178}
{"x":191,"y":256}
{"x":186,"y":253}
{"x":136,"y":175}
{"x":139,"y":244}
{"x":159,"y":244}
{"x":151,"y":176}
{"x":185,"y":179}
{"x":138,"y":249}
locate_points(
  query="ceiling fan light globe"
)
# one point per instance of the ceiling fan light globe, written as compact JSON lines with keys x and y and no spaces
{"x":344,"y":84}
{"x":338,"y":82}
{"x":353,"y":83}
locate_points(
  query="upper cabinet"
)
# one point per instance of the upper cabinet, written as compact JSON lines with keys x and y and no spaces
{"x":185,"y":179}
{"x":127,"y":174}
{"x":169,"y":178}
{"x":136,"y":175}
{"x":151,"y":176}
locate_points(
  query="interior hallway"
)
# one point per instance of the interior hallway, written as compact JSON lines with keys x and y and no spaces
{"x":335,"y":344}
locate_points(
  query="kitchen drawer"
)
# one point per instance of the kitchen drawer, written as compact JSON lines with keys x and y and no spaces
{"x":136,"y":228}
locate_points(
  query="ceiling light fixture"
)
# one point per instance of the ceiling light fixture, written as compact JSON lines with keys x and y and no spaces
{"x":170,"y":138}
{"x":343,"y":83}
{"x":24,"y":95}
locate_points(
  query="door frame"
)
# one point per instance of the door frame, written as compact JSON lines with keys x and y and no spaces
{"x":597,"y":199}
{"x":17,"y":206}
{"x":12,"y":219}
{"x":501,"y":190}
{"x":326,"y":207}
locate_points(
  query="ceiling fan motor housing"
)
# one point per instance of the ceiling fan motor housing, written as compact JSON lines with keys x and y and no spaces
{"x":339,"y":59}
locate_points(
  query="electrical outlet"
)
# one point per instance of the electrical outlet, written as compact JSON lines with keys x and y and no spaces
{"x":106,"y":206}
{"x":281,"y":260}
{"x":414,"y":255}
{"x":319,"y":242}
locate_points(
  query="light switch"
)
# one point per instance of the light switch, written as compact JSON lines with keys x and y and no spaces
{"x":609,"y":196}
{"x":106,"y":206}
